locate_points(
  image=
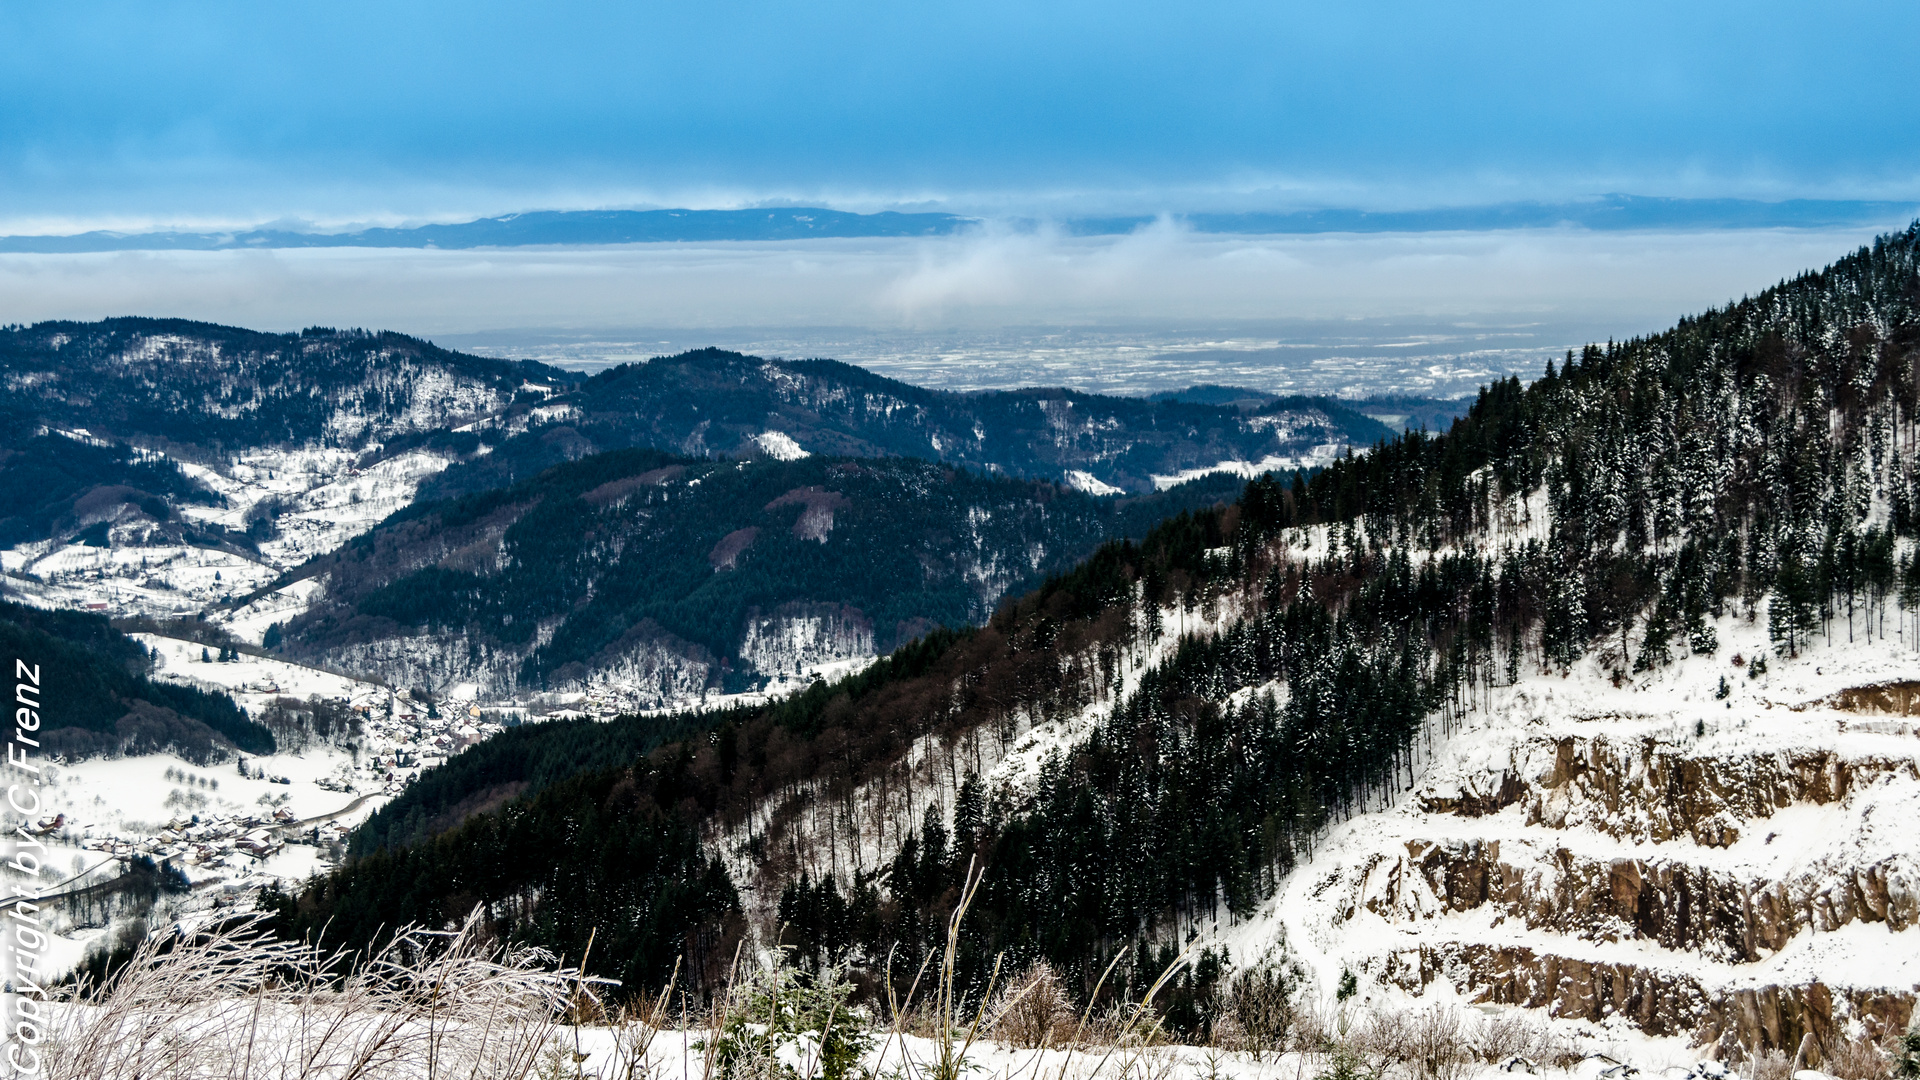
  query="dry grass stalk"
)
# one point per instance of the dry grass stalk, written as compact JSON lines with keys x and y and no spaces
{"x":1133,"y":1029}
{"x":633,"y":1033}
{"x":1858,"y":1059}
{"x":1770,"y":1065}
{"x":232,"y":1002}
{"x":719,"y":1018}
{"x":1135,"y":1032}
{"x":901,"y":1009}
{"x":950,"y":1061}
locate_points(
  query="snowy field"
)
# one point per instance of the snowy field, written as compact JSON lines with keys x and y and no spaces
{"x":228,"y":834}
{"x":676,"y":1056}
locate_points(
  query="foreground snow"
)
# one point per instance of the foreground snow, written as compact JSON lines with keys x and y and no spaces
{"x":273,"y":1038}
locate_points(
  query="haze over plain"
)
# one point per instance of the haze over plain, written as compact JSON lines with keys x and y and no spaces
{"x":135,"y":117}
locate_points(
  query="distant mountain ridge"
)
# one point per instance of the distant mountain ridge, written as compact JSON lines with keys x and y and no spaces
{"x":1607,"y":213}
{"x":1397,"y":411}
{"x":711,"y":402}
{"x":531,"y":229}
{"x":200,"y":384}
{"x":594,"y":227}
{"x":385,"y":506}
{"x":101,"y":417}
{"x":198,"y":391}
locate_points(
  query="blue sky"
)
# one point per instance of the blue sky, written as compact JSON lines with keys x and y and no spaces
{"x":140,"y":113}
{"x":135,"y":115}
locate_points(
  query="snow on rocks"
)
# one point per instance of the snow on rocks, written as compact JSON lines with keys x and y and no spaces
{"x":779,"y":445}
{"x":1698,"y":852}
{"x":1081,"y":480}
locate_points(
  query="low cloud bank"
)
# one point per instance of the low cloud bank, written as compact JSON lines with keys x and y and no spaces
{"x":985,"y":278}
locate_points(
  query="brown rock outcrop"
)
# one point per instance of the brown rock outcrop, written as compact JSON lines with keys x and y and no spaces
{"x":1693,"y":915}
{"x":1737,"y":1024}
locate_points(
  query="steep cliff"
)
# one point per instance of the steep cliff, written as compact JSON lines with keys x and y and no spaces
{"x":1701,"y":852}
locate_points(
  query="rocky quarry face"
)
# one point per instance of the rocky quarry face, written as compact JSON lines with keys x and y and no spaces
{"x":1742,"y":872}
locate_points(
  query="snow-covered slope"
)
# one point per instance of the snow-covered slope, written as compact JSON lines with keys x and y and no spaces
{"x":319,"y":499}
{"x":232,"y":826}
{"x":246,"y":455}
{"x":1711,"y":857}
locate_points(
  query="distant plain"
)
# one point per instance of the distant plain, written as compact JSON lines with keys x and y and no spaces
{"x":1428,"y":313}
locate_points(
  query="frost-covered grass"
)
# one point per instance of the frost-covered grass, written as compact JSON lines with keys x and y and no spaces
{"x":228,"y":1000}
{"x":222,"y":998}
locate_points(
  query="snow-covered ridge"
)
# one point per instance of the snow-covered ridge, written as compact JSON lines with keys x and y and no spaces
{"x":1318,"y":456}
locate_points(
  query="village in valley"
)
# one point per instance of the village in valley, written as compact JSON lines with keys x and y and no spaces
{"x":235,"y":825}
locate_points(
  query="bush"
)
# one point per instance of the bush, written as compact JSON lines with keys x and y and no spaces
{"x":1503,"y":1038}
{"x":1858,"y":1059}
{"x":1345,"y":1063}
{"x":1906,"y":1064}
{"x":1438,"y":1048}
{"x":1259,"y":1012}
{"x":1033,"y":1010}
{"x":776,"y":1014}
{"x":1772,"y":1065}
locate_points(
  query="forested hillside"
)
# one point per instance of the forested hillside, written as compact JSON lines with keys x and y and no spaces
{"x":202,"y":393}
{"x":91,"y":408}
{"x":1195,"y":708}
{"x":670,"y":574}
{"x":98,"y":698}
{"x":172,"y":382}
{"x":61,"y":486}
{"x":716,"y":403}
